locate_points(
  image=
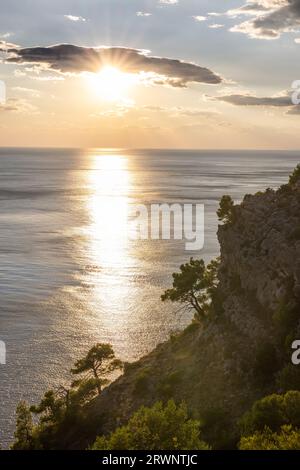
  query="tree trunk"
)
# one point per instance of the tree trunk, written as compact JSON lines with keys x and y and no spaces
{"x":98,"y":384}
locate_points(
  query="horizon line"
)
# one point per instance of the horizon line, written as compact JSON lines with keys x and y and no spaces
{"x":118,"y":149}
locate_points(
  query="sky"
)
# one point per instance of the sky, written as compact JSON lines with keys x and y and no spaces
{"x":150,"y":73}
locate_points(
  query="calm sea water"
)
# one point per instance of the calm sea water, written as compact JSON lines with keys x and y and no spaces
{"x":68,"y":276}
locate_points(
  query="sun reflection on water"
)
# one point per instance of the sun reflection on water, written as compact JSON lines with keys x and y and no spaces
{"x":111,"y":263}
{"x":108,"y":207}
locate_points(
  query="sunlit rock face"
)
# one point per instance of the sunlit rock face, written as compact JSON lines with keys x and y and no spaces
{"x":260,"y":269}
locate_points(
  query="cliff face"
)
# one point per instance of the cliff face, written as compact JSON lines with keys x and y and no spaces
{"x":263,"y":247}
{"x":220,"y":368}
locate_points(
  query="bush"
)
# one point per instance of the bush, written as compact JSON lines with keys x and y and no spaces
{"x":225,"y":212}
{"x":295,"y":176}
{"x":24,"y":428}
{"x":156,"y":428}
{"x":289,"y":378}
{"x":273,"y":411}
{"x":168,"y":385}
{"x":266,"y":363}
{"x":142,"y":382}
{"x":217,"y":428}
{"x":287,"y":439}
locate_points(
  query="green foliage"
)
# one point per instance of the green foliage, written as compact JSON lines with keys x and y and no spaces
{"x":295,"y":176}
{"x":217,"y":428}
{"x":289,"y":378}
{"x":273,"y":412}
{"x":84,"y":390}
{"x":168,"y":384}
{"x":157,"y":428}
{"x":287,"y":438}
{"x":24,"y":428}
{"x":100,"y":360}
{"x":60,"y":409}
{"x":193,"y":286}
{"x":51,"y":408}
{"x":141,"y":382}
{"x":225,"y":212}
{"x":266,"y":363}
{"x":130,"y":366}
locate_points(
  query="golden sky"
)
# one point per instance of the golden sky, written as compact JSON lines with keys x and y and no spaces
{"x":150,"y":73}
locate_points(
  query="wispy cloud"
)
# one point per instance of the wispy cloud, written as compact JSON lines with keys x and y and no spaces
{"x":16,"y":105}
{"x":29,"y":91}
{"x":5,"y":35}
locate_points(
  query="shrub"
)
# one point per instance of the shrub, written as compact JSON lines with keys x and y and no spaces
{"x":289,"y":378}
{"x":157,"y":428}
{"x":217,"y":428}
{"x":287,"y":438}
{"x":295,"y":176}
{"x":273,"y":412}
{"x":225,"y":212}
{"x":266,"y":363}
{"x":142,"y":382}
{"x":168,"y":385}
{"x":24,"y":428}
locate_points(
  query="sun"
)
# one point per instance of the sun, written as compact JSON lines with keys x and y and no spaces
{"x":111,"y":84}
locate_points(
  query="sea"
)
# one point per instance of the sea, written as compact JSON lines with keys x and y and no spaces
{"x":70,"y":278}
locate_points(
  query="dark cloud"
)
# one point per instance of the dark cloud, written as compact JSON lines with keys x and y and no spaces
{"x":67,"y":58}
{"x":248,"y":100}
{"x":282,"y":101}
{"x":280,"y":16}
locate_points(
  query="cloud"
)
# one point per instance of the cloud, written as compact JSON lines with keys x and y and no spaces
{"x":34,"y":93}
{"x":250,"y":100}
{"x":283,"y":100}
{"x":5,"y":35}
{"x":271,"y":18}
{"x":143,"y":14}
{"x":216,"y":26}
{"x":249,"y":9}
{"x":75,"y":18}
{"x":200,"y":18}
{"x":4,"y":46}
{"x":18,"y":106}
{"x":168,"y":2}
{"x":178,"y":111}
{"x":67,"y":58}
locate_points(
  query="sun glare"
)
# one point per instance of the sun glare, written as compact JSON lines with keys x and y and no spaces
{"x":111,"y":84}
